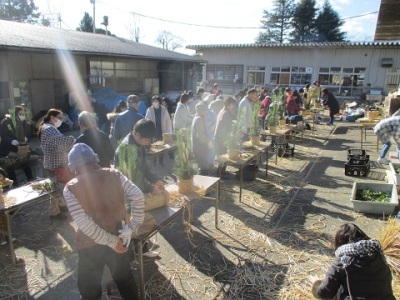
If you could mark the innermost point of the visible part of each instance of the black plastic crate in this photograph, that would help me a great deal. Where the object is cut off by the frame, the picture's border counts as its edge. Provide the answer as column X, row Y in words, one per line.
column 357, row 153
column 357, row 167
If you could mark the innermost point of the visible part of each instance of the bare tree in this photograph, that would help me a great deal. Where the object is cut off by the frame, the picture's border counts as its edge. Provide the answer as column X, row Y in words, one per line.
column 168, row 40
column 133, row 27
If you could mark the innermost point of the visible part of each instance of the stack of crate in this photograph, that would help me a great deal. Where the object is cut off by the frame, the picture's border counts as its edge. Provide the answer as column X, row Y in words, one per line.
column 357, row 164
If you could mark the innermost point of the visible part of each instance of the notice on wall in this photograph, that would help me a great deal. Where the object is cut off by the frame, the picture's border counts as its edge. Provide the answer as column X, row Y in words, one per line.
column 220, row 75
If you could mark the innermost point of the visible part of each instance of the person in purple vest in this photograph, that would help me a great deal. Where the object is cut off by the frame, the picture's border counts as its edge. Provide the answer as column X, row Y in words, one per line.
column 95, row 199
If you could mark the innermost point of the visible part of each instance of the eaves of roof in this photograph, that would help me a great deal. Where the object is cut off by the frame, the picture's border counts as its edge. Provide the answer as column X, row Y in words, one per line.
column 28, row 37
column 375, row 44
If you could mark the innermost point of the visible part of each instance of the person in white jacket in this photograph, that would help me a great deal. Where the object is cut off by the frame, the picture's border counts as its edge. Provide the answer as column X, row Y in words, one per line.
column 160, row 116
column 182, row 118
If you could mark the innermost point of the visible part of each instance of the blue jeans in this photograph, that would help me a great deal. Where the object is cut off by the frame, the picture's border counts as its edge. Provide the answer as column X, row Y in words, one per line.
column 385, row 149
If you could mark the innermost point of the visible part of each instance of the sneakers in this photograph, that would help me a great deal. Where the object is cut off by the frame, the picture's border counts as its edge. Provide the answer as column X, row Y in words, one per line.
column 151, row 254
column 383, row 161
column 329, row 123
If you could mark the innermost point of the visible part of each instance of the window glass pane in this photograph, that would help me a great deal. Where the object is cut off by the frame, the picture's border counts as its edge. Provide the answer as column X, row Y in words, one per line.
column 285, row 69
column 131, row 65
column 335, row 79
column 107, row 65
column 305, row 79
column 132, row 74
column 347, row 70
column 295, row 79
column 274, row 78
column 324, row 70
column 95, row 64
column 302, row 70
column 276, row 69
column 95, row 72
column 120, row 66
column 120, row 73
column 108, row 72
column 284, row 79
column 250, row 78
column 260, row 78
column 336, row 70
column 324, row 79
column 359, row 70
column 4, row 91
column 295, row 69
column 347, row 81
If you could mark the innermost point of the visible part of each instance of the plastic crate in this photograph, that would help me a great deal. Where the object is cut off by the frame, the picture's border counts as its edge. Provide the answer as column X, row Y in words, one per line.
column 357, row 167
column 356, row 153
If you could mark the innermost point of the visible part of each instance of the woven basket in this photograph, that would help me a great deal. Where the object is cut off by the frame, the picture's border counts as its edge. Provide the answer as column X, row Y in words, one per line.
column 185, row 186
column 255, row 140
column 23, row 150
column 155, row 201
column 233, row 154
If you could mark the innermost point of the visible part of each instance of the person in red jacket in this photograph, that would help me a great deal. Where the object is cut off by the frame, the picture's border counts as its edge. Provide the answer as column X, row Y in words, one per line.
column 292, row 107
column 264, row 108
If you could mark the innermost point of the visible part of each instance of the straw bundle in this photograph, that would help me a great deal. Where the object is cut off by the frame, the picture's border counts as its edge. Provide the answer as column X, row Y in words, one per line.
column 389, row 238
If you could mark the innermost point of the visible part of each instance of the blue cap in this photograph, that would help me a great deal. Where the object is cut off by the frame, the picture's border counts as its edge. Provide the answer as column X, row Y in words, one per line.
column 81, row 154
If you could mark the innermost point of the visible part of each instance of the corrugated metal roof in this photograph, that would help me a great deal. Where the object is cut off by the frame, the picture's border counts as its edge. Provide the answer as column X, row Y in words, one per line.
column 21, row 35
column 388, row 25
column 300, row 45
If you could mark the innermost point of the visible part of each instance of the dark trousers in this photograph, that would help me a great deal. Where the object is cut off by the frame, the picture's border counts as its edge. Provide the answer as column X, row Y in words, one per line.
column 90, row 271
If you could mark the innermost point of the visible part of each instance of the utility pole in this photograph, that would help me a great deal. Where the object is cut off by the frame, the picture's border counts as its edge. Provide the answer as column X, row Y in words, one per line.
column 94, row 15
column 59, row 19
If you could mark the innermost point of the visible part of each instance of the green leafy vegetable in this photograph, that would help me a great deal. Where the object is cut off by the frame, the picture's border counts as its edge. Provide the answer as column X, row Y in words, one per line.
column 370, row 195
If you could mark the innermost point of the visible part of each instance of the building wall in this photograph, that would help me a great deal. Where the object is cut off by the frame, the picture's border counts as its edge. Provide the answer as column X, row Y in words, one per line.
column 40, row 80
column 314, row 58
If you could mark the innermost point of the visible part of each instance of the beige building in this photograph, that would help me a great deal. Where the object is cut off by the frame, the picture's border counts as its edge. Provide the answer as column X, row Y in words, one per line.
column 40, row 66
column 347, row 69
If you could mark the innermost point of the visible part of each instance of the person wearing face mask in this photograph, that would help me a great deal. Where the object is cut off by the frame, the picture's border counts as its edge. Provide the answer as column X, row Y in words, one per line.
column 55, row 148
column 159, row 115
column 13, row 133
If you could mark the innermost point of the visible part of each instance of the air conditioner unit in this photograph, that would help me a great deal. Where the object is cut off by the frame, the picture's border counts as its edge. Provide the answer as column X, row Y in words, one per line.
column 386, row 62
column 308, row 70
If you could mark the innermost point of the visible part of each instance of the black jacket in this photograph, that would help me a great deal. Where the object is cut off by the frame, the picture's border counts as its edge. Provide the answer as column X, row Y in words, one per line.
column 100, row 143
column 8, row 133
column 330, row 100
column 369, row 278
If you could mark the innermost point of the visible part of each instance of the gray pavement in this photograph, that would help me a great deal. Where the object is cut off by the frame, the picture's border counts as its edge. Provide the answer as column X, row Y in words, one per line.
column 304, row 192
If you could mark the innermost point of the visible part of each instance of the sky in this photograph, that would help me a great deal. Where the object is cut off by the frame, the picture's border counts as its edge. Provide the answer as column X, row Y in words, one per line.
column 226, row 13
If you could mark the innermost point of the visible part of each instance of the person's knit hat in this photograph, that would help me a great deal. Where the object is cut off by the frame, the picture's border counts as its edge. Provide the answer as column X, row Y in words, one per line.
column 81, row 154
column 201, row 107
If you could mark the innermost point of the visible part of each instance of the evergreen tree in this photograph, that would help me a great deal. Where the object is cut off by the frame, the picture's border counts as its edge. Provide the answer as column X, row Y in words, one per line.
column 304, row 22
column 328, row 25
column 19, row 10
column 277, row 22
column 86, row 23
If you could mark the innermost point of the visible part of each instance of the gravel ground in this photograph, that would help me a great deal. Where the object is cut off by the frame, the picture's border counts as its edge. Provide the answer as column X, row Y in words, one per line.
column 266, row 246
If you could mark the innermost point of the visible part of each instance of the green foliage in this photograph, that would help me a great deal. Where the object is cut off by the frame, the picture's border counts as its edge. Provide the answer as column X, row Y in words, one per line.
column 370, row 195
column 184, row 167
column 255, row 122
column 232, row 140
column 304, row 22
column 277, row 22
column 276, row 109
column 86, row 23
column 127, row 156
column 19, row 10
column 328, row 25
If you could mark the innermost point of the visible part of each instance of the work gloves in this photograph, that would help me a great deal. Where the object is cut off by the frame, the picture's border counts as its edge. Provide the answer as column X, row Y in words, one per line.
column 14, row 143
column 125, row 234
